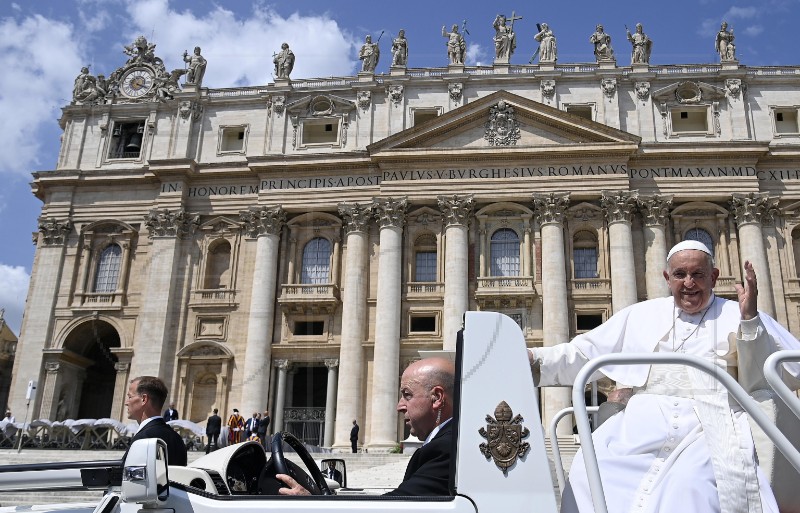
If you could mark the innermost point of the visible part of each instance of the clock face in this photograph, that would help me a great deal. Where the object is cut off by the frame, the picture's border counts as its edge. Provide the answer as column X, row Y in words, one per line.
column 137, row 83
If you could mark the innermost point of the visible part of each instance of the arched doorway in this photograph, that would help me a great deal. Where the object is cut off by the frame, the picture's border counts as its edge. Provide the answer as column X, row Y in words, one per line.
column 91, row 385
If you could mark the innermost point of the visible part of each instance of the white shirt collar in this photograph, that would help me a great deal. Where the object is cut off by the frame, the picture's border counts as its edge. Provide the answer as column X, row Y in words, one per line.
column 146, row 421
column 436, row 430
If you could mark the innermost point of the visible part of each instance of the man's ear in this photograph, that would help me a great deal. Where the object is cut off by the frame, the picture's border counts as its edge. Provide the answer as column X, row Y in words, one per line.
column 437, row 393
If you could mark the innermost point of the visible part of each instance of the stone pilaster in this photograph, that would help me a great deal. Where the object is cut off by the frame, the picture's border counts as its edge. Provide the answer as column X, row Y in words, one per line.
column 619, row 207
column 655, row 210
column 49, row 391
column 550, row 210
column 354, row 319
column 457, row 211
column 280, row 399
column 750, row 210
column 120, row 391
column 330, row 400
column 265, row 225
column 37, row 324
column 390, row 214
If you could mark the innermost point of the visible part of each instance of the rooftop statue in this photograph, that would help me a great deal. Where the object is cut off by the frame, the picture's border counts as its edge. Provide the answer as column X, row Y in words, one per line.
column 724, row 43
column 197, row 67
column 456, row 46
column 602, row 45
column 505, row 41
column 284, row 62
column 642, row 45
column 369, row 54
column 400, row 49
column 547, row 43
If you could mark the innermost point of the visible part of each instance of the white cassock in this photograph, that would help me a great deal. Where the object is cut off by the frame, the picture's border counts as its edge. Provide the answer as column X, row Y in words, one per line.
column 678, row 445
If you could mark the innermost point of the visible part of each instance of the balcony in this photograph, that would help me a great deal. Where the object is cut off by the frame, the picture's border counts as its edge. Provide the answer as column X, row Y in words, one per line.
column 305, row 299
column 587, row 288
column 424, row 289
column 496, row 292
column 213, row 298
column 99, row 300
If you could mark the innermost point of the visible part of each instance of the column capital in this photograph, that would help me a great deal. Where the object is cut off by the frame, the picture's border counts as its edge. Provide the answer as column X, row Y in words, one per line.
column 263, row 221
column 52, row 367
column 356, row 216
column 619, row 206
column 550, row 208
column 281, row 364
column 54, row 232
column 170, row 223
column 655, row 209
column 122, row 366
column 753, row 207
column 331, row 363
column 390, row 212
column 456, row 209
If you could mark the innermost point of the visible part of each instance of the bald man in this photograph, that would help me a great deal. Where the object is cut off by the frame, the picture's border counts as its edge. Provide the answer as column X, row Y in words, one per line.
column 426, row 402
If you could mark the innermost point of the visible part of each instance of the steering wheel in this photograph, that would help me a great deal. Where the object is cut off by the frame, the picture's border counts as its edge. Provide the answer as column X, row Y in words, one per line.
column 278, row 464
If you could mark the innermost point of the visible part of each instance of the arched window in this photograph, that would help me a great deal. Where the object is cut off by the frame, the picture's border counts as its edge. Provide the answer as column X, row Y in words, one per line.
column 218, row 265
column 504, row 251
column 584, row 255
column 425, row 258
column 700, row 235
column 316, row 261
column 107, row 276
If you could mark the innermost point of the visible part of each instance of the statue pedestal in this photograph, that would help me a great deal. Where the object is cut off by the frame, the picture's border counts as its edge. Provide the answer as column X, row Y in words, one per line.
column 189, row 88
column 397, row 70
column 547, row 66
column 455, row 68
column 282, row 82
column 609, row 64
column 729, row 65
column 366, row 76
column 500, row 68
column 640, row 67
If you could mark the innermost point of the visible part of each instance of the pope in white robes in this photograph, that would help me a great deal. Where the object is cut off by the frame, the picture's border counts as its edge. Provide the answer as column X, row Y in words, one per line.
column 678, row 445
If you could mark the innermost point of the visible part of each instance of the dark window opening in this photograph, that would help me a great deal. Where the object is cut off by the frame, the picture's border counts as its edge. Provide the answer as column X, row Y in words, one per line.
column 779, row 116
column 309, row 327
column 588, row 322
column 423, row 324
column 684, row 115
column 126, row 140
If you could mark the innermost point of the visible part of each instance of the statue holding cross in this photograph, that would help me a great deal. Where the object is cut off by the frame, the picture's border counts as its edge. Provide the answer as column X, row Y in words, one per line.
column 505, row 41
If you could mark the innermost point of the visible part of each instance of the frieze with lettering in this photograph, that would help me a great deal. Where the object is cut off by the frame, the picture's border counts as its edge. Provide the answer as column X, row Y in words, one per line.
column 481, row 173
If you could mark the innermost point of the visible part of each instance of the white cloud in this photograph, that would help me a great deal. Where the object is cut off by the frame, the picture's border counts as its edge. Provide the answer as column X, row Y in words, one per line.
column 754, row 30
column 741, row 12
column 13, row 293
column 476, row 54
column 239, row 50
column 39, row 57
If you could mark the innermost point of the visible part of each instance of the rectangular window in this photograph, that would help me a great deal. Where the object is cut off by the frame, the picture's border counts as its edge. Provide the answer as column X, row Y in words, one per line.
column 320, row 131
column 584, row 111
column 424, row 115
column 309, row 327
column 690, row 120
column 587, row 322
column 425, row 266
column 585, row 261
column 786, row 121
column 423, row 324
column 232, row 139
column 126, row 140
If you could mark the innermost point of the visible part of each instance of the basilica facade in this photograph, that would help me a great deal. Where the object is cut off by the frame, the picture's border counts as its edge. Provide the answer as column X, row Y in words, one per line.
column 294, row 246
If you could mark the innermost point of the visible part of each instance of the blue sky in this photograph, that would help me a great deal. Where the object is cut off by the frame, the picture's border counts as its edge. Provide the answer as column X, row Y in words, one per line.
column 43, row 45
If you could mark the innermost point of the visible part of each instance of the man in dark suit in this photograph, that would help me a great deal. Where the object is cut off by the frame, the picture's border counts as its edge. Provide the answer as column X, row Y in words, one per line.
column 146, row 396
column 332, row 472
column 251, row 426
column 213, row 429
column 354, row 436
column 426, row 402
column 263, row 425
column 171, row 413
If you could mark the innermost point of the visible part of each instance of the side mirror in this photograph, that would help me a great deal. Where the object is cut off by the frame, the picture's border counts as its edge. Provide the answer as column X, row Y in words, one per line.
column 144, row 473
column 339, row 476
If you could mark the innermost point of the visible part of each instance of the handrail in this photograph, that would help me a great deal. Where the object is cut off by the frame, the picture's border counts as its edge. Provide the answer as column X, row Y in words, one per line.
column 773, row 375
column 559, row 465
column 584, row 430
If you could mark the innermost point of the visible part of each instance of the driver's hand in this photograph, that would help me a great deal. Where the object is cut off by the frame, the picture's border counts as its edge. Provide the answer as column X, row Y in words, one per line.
column 295, row 488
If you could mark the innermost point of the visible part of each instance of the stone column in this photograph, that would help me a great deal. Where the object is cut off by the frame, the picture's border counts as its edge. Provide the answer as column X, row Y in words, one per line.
column 120, row 391
column 154, row 342
column 265, row 225
column 457, row 211
column 619, row 207
column 655, row 209
column 37, row 324
column 280, row 399
column 550, row 210
column 354, row 321
column 330, row 401
column 750, row 210
column 49, row 391
column 390, row 214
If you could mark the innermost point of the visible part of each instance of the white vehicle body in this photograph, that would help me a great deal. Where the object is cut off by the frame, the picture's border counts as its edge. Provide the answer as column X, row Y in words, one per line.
column 495, row 394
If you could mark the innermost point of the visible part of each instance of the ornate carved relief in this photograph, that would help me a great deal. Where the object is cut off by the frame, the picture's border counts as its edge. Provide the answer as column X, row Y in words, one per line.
column 356, row 216
column 504, row 434
column 52, row 367
column 655, row 209
column 642, row 90
column 54, row 232
column 550, row 208
column 331, row 363
column 735, row 87
column 364, row 99
column 263, row 221
column 456, row 209
column 278, row 104
column 753, row 207
column 395, row 94
column 390, row 212
column 609, row 87
column 619, row 206
column 189, row 108
column 502, row 129
column 548, row 88
column 455, row 89
column 167, row 223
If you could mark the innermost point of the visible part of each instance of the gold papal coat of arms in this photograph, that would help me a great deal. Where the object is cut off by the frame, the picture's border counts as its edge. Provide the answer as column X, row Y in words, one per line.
column 504, row 434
